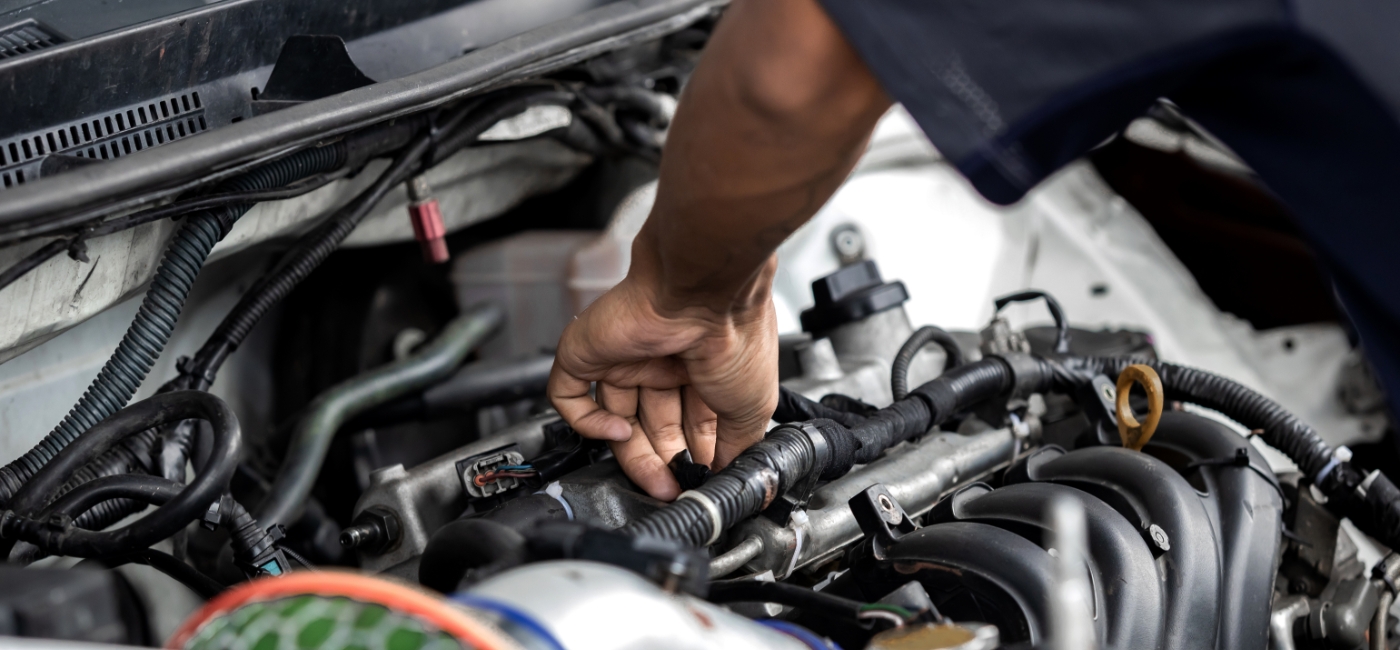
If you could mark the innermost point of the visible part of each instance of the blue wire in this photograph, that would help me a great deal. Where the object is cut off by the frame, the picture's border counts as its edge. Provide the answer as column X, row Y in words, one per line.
column 512, row 615
column 800, row 633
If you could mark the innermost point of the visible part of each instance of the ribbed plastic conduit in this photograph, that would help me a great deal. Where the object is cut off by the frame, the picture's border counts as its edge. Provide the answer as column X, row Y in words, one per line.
column 155, row 321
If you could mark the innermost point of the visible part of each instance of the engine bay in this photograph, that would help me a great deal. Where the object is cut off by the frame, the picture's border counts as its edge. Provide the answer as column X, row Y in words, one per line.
column 1045, row 426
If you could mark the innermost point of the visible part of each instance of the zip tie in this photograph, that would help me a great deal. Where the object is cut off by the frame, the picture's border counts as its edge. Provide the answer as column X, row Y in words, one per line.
column 1340, row 455
column 710, row 507
column 557, row 491
column 799, row 523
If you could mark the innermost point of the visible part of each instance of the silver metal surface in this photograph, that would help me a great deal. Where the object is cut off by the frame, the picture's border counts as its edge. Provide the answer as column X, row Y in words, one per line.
column 1381, row 622
column 1286, row 610
column 736, row 557
column 1071, row 620
column 917, row 474
column 591, row 606
column 855, row 359
column 431, row 494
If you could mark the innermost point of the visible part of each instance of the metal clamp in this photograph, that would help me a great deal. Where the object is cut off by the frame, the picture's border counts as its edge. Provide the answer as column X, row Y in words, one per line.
column 712, row 508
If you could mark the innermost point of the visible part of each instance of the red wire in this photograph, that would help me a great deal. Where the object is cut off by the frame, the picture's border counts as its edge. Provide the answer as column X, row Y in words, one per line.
column 489, row 477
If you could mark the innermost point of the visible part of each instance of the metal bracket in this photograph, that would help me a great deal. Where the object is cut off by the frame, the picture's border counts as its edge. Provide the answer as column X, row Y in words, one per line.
column 881, row 518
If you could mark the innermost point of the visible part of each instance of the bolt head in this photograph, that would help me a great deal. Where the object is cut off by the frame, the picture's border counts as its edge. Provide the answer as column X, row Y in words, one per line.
column 1159, row 537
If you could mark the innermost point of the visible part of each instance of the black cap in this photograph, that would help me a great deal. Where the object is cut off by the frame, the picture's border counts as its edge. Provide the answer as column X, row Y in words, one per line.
column 851, row 293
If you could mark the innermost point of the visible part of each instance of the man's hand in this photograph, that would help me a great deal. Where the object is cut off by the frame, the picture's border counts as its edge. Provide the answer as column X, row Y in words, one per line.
column 684, row 351
column 669, row 380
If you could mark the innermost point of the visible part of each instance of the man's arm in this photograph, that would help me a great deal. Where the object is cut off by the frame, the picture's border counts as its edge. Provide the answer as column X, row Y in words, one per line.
column 684, row 350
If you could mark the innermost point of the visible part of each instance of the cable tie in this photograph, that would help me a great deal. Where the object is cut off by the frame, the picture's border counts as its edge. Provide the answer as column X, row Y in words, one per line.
column 799, row 524
column 716, row 522
column 1339, row 456
column 556, row 491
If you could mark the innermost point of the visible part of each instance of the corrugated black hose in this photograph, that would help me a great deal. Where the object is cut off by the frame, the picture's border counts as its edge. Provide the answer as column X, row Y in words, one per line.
column 1371, row 500
column 58, row 535
column 155, row 320
column 791, row 453
column 458, row 129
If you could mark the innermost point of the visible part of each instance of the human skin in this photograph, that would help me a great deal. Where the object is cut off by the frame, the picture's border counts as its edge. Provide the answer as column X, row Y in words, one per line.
column 684, row 351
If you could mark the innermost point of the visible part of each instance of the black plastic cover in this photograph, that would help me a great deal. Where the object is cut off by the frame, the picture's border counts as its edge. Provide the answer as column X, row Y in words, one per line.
column 851, row 293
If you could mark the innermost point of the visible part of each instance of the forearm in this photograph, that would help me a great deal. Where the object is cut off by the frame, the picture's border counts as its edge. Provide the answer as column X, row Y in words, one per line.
column 772, row 121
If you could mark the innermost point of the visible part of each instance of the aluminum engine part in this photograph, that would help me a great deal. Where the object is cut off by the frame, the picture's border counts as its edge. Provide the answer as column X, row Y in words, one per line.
column 855, row 359
column 858, row 326
column 586, row 605
column 916, row 474
column 430, row 495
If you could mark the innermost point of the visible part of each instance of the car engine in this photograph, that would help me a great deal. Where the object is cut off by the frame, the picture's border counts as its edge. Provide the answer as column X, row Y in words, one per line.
column 294, row 379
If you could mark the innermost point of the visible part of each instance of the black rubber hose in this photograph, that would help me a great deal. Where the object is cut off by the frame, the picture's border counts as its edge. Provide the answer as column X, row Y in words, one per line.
column 62, row 538
column 1056, row 312
column 761, row 591
column 1281, row 429
column 155, row 320
column 899, row 370
column 142, row 488
column 1371, row 501
column 491, row 113
column 470, row 550
column 185, row 574
column 199, row 372
column 458, row 129
column 135, row 453
column 298, row 263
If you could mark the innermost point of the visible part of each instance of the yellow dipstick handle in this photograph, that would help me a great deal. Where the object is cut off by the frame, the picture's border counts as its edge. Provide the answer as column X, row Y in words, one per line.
column 1135, row 435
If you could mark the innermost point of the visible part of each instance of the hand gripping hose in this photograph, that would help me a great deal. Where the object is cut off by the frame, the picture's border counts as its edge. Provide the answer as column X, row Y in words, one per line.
column 155, row 320
column 312, row 437
column 792, row 453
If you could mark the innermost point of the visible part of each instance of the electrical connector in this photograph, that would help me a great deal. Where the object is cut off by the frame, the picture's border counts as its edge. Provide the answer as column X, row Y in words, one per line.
column 426, row 217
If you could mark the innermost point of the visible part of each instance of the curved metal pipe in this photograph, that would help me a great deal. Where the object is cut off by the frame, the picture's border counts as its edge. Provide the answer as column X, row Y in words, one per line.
column 332, row 408
column 1286, row 612
column 736, row 557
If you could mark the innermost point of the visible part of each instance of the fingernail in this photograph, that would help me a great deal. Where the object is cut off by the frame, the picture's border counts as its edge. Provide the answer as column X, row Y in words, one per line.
column 620, row 431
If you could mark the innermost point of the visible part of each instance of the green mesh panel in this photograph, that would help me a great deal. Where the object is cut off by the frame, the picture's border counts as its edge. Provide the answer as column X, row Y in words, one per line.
column 319, row 623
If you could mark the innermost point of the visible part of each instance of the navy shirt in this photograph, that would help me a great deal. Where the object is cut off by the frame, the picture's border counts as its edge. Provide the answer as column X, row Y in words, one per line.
column 1306, row 92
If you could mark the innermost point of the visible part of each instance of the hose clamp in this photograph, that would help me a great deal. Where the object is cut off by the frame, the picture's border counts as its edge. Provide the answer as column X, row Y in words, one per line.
column 821, row 450
column 712, row 508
